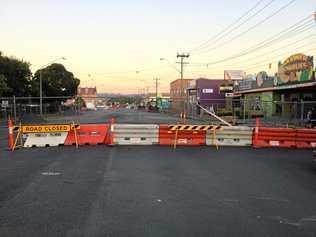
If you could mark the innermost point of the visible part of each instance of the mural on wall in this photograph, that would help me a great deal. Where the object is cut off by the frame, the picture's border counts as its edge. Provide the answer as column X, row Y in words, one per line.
column 261, row 80
column 297, row 68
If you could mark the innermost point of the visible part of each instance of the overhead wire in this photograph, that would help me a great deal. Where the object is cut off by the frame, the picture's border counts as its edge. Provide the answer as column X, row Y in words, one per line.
column 283, row 35
column 251, row 28
column 271, row 51
column 199, row 47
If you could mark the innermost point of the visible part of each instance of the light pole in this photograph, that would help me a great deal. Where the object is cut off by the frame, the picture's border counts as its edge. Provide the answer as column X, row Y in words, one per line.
column 41, row 85
column 170, row 64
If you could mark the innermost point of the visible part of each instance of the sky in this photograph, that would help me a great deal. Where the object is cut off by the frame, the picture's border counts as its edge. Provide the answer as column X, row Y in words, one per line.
column 117, row 45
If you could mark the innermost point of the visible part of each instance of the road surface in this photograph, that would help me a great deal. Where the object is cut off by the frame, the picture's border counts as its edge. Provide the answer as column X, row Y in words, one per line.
column 156, row 191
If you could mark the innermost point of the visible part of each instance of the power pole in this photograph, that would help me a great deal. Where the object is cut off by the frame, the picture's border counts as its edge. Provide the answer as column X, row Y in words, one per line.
column 182, row 57
column 156, row 82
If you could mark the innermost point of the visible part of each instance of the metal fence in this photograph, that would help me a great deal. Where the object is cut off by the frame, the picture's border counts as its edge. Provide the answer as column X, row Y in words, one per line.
column 272, row 113
column 238, row 111
column 28, row 109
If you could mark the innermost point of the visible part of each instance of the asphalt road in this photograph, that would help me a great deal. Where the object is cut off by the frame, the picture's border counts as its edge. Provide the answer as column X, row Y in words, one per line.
column 122, row 116
column 156, row 191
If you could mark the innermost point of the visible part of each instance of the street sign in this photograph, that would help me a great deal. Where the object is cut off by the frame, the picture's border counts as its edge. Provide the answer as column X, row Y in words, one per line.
column 45, row 128
column 5, row 104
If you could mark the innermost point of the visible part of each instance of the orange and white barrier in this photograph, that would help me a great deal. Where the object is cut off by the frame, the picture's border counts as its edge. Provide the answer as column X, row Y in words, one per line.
column 45, row 135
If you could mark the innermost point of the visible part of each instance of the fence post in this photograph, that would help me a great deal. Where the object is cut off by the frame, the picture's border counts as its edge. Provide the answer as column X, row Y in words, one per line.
column 244, row 110
column 256, row 131
column 302, row 110
column 14, row 108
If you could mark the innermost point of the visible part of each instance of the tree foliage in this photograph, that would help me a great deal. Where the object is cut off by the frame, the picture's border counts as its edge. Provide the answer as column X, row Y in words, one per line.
column 56, row 81
column 4, row 88
column 79, row 102
column 15, row 76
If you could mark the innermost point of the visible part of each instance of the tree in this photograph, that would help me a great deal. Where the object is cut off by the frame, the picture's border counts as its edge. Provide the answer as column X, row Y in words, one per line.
column 79, row 102
column 56, row 81
column 4, row 88
column 16, row 75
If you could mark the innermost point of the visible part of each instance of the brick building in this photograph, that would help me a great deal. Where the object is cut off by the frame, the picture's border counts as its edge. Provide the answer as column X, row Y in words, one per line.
column 178, row 93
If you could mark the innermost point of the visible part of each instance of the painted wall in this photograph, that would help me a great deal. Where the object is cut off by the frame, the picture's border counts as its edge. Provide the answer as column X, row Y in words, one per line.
column 208, row 92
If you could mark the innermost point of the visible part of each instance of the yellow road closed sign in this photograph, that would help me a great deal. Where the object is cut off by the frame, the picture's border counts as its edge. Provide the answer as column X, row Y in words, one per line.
column 46, row 128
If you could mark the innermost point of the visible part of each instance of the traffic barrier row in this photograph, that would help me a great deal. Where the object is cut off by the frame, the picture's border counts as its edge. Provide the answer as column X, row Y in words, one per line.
column 152, row 134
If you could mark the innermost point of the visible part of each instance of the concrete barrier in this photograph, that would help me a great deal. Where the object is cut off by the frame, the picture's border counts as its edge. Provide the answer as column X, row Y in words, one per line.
column 230, row 136
column 135, row 134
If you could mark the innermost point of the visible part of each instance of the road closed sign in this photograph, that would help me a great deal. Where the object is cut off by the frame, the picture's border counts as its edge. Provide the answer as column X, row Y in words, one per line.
column 46, row 128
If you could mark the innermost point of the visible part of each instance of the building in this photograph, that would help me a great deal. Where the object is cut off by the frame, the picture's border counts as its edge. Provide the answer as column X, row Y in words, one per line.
column 207, row 93
column 290, row 93
column 89, row 96
column 178, row 94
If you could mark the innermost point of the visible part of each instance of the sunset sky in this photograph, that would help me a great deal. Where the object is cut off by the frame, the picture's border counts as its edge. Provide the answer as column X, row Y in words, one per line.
column 117, row 45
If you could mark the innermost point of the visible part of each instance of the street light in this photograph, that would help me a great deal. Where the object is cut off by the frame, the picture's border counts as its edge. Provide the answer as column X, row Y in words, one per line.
column 170, row 64
column 41, row 86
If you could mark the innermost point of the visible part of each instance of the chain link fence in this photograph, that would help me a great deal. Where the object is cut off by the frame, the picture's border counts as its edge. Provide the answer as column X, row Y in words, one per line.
column 235, row 110
column 29, row 109
column 272, row 113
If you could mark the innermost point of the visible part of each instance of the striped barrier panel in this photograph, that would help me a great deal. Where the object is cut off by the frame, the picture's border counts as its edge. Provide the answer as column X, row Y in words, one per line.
column 185, row 135
column 135, row 134
column 230, row 136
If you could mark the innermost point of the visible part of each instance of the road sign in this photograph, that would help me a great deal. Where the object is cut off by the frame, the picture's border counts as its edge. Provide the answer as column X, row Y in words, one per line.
column 46, row 128
column 5, row 104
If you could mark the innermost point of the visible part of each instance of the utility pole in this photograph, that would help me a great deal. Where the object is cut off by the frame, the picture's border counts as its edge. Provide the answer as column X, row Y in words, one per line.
column 156, row 81
column 41, row 94
column 182, row 95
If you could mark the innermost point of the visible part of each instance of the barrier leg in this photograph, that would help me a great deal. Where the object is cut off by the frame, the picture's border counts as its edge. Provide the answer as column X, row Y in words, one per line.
column 111, row 132
column 214, row 139
column 175, row 139
column 18, row 136
column 76, row 136
column 256, row 135
column 10, row 135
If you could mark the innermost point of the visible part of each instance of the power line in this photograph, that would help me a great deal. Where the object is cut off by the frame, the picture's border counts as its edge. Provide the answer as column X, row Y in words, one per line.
column 127, row 71
column 252, row 27
column 267, row 42
column 228, row 27
column 284, row 34
column 275, row 50
column 265, row 62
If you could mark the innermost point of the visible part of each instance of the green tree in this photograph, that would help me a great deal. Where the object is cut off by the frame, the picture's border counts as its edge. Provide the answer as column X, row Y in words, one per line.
column 79, row 102
column 4, row 88
column 16, row 75
column 56, row 81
